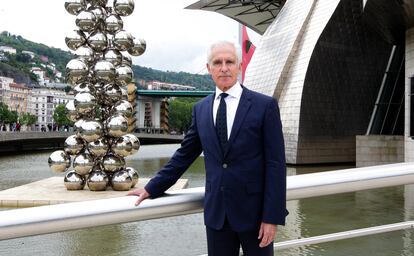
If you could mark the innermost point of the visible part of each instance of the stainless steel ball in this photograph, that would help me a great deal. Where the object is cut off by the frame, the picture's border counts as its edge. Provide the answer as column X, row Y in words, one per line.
column 112, row 162
column 91, row 130
column 77, row 126
column 123, row 107
column 124, row 7
column 114, row 56
column 98, row 41
column 84, row 87
column 126, row 59
column 113, row 24
column 73, row 145
column 83, row 163
column 121, row 181
column 116, row 126
column 86, row 21
column 132, row 89
column 123, row 40
column 102, row 3
column 112, row 94
column 75, row 6
column 124, row 93
column 99, row 12
column 124, row 75
column 75, row 39
column 98, row 147
column 72, row 113
column 138, row 48
column 59, row 161
column 133, row 174
column 97, row 180
column 74, row 181
column 76, row 71
column 122, row 146
column 85, row 54
column 104, row 71
column 84, row 102
column 135, row 142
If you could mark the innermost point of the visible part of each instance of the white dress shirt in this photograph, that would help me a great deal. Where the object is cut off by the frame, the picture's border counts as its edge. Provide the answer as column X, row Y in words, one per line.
column 232, row 102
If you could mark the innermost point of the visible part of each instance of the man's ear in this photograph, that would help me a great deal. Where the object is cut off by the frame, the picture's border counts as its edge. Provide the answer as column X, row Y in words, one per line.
column 208, row 68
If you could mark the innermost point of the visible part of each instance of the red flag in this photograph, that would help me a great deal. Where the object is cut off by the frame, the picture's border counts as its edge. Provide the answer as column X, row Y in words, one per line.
column 247, row 50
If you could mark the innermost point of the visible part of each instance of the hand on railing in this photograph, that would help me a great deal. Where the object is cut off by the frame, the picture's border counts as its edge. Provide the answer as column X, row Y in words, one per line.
column 141, row 193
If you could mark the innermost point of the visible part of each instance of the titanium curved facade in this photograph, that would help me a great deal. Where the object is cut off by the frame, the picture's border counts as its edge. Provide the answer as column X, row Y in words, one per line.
column 324, row 63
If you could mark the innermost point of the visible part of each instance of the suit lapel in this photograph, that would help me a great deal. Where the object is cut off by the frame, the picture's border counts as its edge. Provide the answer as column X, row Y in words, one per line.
column 242, row 109
column 211, row 127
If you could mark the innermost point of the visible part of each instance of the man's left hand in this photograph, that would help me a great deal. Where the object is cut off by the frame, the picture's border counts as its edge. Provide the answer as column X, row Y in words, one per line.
column 267, row 233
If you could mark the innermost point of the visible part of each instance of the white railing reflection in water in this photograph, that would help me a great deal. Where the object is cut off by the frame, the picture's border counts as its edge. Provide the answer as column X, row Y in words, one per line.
column 62, row 217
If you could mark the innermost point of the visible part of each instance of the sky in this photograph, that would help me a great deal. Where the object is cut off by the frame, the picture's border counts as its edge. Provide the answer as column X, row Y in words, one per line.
column 177, row 38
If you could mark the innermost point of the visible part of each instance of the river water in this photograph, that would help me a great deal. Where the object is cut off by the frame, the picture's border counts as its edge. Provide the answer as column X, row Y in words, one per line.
column 185, row 235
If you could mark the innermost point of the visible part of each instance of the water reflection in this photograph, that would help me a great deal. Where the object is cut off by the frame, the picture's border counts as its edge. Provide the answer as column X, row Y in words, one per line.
column 185, row 235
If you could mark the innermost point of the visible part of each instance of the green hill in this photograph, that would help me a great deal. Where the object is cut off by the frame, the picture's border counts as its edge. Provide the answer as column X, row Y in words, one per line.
column 18, row 66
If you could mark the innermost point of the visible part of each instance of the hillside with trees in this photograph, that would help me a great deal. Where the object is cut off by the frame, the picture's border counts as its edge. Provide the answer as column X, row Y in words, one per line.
column 18, row 66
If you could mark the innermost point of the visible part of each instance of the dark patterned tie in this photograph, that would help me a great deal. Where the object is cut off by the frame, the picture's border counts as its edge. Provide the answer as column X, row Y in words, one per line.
column 221, row 121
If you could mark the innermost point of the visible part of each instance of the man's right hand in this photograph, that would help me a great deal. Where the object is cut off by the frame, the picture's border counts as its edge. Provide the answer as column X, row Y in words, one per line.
column 141, row 193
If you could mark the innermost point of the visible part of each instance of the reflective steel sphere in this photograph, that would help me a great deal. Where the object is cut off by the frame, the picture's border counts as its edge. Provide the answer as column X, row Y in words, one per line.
column 85, row 54
column 77, row 126
column 59, row 161
column 112, row 94
column 122, row 146
column 86, row 21
column 98, row 147
column 97, row 180
column 121, row 181
column 116, row 126
column 84, row 102
column 132, row 89
column 72, row 113
column 124, row 75
column 83, row 163
column 114, row 56
column 112, row 162
column 124, row 108
column 104, row 71
column 98, row 41
column 135, row 142
column 138, row 48
column 133, row 174
column 91, row 130
column 113, row 24
column 98, row 2
column 73, row 145
column 75, row 39
column 76, row 71
column 84, row 87
column 124, row 7
column 75, row 6
column 98, row 11
column 123, row 40
column 74, row 181
column 126, row 59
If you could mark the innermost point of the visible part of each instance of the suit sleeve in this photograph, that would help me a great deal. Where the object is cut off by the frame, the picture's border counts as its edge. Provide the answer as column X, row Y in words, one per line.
column 184, row 156
column 274, row 204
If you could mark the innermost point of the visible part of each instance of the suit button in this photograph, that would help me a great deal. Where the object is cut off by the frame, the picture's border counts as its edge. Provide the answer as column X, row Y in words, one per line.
column 224, row 165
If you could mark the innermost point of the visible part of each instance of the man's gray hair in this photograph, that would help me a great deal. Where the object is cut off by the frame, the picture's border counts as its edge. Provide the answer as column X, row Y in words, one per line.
column 225, row 43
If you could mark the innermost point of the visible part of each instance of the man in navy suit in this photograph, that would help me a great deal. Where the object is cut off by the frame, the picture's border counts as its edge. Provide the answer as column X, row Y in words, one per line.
column 240, row 133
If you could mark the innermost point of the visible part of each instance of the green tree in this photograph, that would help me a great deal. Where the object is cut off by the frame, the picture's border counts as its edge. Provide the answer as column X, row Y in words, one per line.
column 60, row 116
column 27, row 119
column 180, row 114
column 4, row 112
column 12, row 117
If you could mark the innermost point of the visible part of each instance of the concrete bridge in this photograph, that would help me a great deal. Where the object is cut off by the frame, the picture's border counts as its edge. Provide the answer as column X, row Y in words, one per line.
column 13, row 142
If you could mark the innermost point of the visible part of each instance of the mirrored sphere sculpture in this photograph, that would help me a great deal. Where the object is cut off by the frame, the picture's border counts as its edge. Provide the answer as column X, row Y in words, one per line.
column 104, row 97
column 74, row 181
column 59, row 161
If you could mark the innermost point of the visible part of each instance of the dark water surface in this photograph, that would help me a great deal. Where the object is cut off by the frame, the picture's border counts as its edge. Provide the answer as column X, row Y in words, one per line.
column 185, row 235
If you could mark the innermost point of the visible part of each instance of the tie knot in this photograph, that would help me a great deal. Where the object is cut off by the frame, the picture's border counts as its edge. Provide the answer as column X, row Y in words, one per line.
column 223, row 95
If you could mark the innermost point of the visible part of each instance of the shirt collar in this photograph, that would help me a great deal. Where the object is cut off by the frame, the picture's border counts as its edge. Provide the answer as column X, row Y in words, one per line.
column 235, row 91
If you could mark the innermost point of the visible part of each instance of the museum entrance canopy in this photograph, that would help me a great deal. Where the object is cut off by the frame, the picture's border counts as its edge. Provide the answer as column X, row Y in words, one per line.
column 255, row 14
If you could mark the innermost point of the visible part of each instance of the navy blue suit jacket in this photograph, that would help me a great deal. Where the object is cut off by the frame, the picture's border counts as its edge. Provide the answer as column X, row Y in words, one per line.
column 246, row 181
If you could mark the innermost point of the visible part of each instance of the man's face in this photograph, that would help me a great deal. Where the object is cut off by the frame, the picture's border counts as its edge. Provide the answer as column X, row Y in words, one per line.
column 223, row 67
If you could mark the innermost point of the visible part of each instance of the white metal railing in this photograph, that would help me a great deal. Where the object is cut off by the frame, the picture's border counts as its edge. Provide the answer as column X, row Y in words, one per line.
column 55, row 218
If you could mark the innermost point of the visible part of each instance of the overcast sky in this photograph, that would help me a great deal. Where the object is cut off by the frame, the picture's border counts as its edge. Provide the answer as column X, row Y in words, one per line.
column 177, row 39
